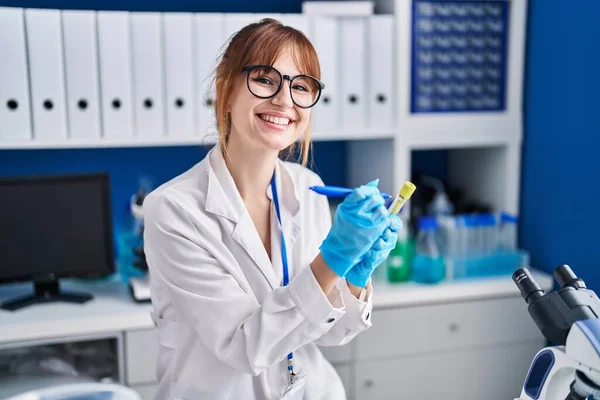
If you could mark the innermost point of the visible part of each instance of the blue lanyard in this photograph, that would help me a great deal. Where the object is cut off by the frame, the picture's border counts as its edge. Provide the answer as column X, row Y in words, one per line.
column 284, row 261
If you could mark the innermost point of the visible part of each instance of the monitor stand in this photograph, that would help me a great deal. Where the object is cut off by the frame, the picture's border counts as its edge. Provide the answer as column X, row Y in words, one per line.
column 45, row 292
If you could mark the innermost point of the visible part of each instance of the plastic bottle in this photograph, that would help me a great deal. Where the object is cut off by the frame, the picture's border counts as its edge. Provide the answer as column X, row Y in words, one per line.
column 452, row 238
column 440, row 204
column 400, row 260
column 508, row 231
column 428, row 266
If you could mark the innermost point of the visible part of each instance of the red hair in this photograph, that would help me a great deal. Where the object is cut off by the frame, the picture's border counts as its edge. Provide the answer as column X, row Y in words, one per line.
column 261, row 42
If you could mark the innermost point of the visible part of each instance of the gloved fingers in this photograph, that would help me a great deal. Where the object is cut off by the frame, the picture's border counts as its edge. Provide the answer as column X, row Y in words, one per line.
column 374, row 182
column 386, row 241
column 371, row 212
column 363, row 192
column 395, row 223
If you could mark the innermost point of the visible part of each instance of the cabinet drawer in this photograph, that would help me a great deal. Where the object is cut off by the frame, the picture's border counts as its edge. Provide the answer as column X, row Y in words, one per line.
column 494, row 373
column 402, row 331
column 141, row 356
column 337, row 354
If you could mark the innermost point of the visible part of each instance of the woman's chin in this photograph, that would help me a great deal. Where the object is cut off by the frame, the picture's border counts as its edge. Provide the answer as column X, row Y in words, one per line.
column 277, row 141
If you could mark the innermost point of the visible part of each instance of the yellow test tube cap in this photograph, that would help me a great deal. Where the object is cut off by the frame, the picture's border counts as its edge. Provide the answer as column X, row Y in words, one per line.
column 407, row 190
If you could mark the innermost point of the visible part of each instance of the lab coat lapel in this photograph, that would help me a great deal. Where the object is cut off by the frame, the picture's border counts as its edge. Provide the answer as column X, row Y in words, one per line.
column 290, row 205
column 224, row 199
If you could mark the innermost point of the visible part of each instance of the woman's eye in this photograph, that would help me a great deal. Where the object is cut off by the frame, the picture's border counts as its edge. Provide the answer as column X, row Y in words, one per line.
column 301, row 88
column 264, row 81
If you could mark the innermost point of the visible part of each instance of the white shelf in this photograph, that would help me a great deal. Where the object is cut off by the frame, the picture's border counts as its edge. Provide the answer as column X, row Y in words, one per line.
column 410, row 293
column 433, row 136
column 106, row 143
column 173, row 141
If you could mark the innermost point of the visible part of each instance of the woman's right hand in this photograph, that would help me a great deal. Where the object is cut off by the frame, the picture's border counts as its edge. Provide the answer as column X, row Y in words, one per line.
column 358, row 223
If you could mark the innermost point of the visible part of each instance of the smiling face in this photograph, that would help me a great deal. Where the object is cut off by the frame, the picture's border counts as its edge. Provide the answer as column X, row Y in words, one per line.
column 259, row 123
column 267, row 124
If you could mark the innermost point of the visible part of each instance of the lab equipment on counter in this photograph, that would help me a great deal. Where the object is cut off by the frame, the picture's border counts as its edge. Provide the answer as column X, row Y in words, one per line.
column 428, row 265
column 338, row 191
column 52, row 227
column 440, row 205
column 131, row 259
column 473, row 245
column 567, row 317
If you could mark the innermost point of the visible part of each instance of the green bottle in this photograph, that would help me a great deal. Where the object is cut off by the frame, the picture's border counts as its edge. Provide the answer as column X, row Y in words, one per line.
column 399, row 262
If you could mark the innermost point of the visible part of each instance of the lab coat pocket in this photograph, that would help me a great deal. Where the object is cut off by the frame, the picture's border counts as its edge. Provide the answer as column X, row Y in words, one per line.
column 166, row 332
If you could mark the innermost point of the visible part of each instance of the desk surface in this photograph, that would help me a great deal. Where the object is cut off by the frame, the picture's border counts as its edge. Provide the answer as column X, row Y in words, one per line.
column 112, row 309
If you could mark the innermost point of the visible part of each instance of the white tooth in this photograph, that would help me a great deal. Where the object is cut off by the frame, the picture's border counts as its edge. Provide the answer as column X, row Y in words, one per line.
column 276, row 120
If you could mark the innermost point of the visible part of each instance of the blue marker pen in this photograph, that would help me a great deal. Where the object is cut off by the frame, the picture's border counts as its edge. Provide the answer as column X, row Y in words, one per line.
column 337, row 191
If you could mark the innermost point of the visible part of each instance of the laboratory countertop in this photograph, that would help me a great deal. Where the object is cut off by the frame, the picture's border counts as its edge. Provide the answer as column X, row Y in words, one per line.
column 113, row 310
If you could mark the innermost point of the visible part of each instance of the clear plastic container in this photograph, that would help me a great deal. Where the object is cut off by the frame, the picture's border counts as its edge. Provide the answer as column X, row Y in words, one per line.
column 508, row 231
column 428, row 265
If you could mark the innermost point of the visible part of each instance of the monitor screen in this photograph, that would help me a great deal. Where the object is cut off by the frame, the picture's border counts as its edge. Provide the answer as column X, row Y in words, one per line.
column 55, row 226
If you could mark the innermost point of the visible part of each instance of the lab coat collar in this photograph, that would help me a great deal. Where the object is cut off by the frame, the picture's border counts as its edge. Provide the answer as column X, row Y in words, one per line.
column 223, row 199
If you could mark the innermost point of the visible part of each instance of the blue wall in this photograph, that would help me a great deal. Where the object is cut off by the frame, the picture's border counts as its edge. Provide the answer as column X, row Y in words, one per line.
column 127, row 165
column 259, row 6
column 560, row 185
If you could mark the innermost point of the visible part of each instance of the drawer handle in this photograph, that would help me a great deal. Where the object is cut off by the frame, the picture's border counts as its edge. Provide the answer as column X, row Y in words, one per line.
column 454, row 327
column 369, row 383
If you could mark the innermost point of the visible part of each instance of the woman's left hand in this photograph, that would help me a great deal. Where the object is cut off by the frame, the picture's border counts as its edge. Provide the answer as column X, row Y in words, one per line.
column 360, row 273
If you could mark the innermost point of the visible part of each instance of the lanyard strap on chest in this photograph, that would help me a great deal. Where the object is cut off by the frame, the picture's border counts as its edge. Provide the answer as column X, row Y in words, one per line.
column 284, row 261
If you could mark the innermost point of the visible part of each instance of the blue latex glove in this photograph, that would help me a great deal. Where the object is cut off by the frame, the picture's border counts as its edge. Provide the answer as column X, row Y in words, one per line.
column 359, row 274
column 358, row 222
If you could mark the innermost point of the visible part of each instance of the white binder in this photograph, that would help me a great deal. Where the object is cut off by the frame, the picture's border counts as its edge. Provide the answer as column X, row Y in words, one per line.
column 210, row 41
column 324, row 34
column 115, row 74
column 46, row 74
column 353, row 73
column 15, row 111
column 147, row 58
column 179, row 71
column 381, row 86
column 81, row 67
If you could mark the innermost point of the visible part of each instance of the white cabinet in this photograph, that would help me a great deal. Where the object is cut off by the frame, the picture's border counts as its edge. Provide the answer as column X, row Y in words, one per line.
column 441, row 327
column 491, row 373
column 141, row 355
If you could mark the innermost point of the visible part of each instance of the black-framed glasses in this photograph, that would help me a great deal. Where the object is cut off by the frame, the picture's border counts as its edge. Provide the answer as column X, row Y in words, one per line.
column 264, row 81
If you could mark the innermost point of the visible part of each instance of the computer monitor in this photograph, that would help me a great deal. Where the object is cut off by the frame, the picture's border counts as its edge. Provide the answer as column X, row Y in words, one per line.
column 54, row 227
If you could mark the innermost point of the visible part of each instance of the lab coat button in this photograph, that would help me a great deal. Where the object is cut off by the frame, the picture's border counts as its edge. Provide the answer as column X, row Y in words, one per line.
column 330, row 320
column 368, row 315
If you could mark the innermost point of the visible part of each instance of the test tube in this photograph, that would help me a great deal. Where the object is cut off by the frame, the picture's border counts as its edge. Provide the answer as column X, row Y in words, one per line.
column 403, row 195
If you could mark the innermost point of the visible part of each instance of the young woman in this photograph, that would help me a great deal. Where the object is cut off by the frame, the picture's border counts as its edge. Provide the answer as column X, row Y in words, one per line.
column 248, row 274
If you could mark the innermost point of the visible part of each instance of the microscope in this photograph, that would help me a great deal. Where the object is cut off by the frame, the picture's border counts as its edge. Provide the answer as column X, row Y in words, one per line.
column 568, row 318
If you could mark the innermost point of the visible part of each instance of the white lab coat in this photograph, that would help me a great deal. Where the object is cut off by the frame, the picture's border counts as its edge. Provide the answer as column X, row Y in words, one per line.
column 225, row 323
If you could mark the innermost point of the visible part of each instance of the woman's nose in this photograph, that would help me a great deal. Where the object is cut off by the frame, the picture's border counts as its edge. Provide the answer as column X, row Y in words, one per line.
column 283, row 98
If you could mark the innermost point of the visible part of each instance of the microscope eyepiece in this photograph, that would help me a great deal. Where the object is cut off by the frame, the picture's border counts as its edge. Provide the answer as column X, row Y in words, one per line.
column 565, row 276
column 527, row 285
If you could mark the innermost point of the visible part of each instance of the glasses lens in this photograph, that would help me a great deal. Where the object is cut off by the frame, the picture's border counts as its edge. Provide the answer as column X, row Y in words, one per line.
column 305, row 90
column 264, row 81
